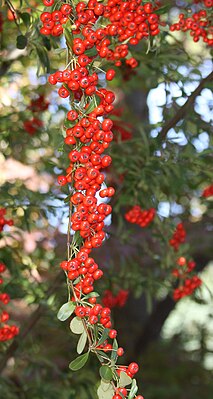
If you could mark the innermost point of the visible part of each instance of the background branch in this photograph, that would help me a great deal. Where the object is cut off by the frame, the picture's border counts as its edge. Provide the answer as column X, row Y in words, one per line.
column 183, row 110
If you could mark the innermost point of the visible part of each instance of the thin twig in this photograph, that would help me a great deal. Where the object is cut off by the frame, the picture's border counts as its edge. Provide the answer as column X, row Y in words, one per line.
column 184, row 109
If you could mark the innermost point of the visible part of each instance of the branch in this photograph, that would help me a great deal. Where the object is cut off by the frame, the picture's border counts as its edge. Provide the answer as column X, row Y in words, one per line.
column 183, row 110
column 30, row 324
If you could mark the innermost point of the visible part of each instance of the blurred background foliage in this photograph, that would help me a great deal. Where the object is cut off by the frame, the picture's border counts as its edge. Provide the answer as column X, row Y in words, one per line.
column 154, row 165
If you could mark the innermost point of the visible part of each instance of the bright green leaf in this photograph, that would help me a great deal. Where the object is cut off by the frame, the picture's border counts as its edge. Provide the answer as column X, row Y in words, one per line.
column 65, row 311
column 133, row 390
column 76, row 325
column 124, row 379
column 82, row 342
column 105, row 390
column 79, row 362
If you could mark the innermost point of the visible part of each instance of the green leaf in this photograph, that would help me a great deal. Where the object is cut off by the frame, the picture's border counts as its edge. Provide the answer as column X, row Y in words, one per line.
column 163, row 9
column 114, row 355
column 25, row 18
column 92, row 106
column 105, row 390
column 79, row 362
column 65, row 311
column 106, row 373
column 76, row 325
column 91, row 295
column 43, row 56
column 68, row 35
column 82, row 342
column 133, row 390
column 104, row 336
column 124, row 379
column 21, row 42
column 91, row 52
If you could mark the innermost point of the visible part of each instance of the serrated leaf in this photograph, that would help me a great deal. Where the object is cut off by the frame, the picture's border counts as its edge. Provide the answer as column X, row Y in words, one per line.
column 104, row 336
column 21, row 42
column 133, row 390
column 82, row 342
column 106, row 372
column 76, row 325
column 124, row 379
column 79, row 362
column 105, row 391
column 65, row 311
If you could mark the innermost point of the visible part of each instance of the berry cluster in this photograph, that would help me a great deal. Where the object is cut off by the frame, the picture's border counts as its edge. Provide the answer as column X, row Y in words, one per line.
column 7, row 332
column 88, row 135
column 178, row 237
column 53, row 21
column 4, row 221
column 32, row 125
column 199, row 24
column 208, row 191
column 126, row 23
column 187, row 285
column 118, row 300
column 141, row 217
column 37, row 105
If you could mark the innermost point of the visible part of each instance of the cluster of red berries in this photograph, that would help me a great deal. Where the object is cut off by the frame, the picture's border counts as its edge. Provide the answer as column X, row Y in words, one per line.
column 178, row 237
column 97, row 314
column 32, row 125
column 199, row 25
column 85, row 267
column 4, row 221
column 37, row 105
column 127, row 22
column 208, row 191
column 187, row 285
column 130, row 370
column 207, row 3
column 6, row 331
column 89, row 133
column 53, row 21
column 141, row 217
column 113, row 301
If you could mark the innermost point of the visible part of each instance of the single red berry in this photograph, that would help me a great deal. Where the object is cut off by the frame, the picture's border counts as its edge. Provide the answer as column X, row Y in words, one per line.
column 120, row 351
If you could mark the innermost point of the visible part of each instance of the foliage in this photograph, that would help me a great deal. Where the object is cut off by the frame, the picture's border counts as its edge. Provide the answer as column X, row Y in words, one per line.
column 159, row 162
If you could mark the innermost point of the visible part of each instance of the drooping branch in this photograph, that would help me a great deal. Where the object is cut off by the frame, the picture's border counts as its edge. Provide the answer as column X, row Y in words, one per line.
column 184, row 109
